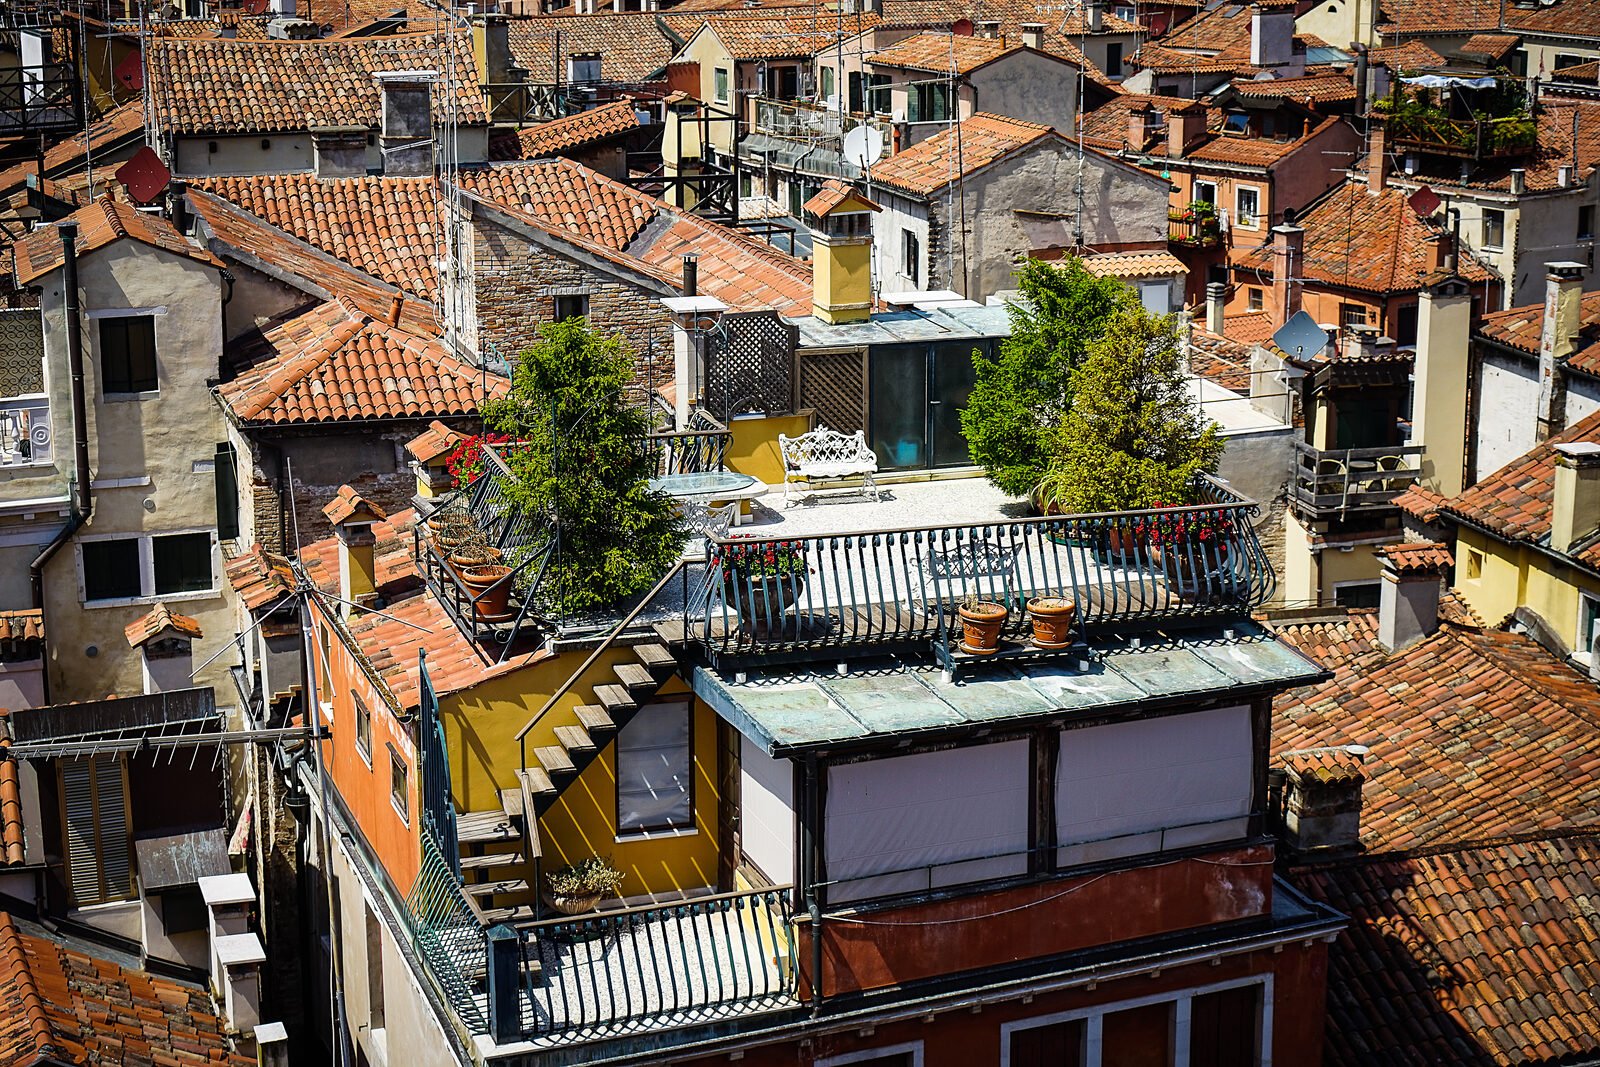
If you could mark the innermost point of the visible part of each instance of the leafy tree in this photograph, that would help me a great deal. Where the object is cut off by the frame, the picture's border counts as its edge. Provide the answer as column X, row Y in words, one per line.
column 582, row 459
column 1021, row 394
column 1133, row 437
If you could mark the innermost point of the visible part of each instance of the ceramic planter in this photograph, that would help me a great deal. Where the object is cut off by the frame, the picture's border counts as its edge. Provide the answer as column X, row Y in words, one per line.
column 491, row 590
column 573, row 905
column 462, row 557
column 980, row 627
column 764, row 603
column 1052, row 618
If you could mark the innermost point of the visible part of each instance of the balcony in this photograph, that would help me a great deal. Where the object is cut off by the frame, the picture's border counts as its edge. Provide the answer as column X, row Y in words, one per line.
column 805, row 136
column 24, row 432
column 1189, row 231
column 1336, row 483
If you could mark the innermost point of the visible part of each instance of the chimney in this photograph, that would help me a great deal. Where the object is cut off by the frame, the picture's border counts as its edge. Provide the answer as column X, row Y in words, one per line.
column 1362, row 77
column 988, row 28
column 1439, row 405
column 1408, row 598
column 1439, row 252
column 691, row 275
column 1564, row 175
column 1563, row 321
column 1321, row 798
column 241, row 957
column 1185, row 125
column 406, row 135
column 1360, row 342
column 1288, row 263
column 353, row 517
column 1575, row 508
column 1095, row 15
column 1033, row 36
column 228, row 899
column 841, row 257
column 272, row 1045
column 1271, row 35
column 1141, row 120
column 339, row 151
column 1377, row 158
column 1216, row 298
column 491, row 48
column 1519, row 181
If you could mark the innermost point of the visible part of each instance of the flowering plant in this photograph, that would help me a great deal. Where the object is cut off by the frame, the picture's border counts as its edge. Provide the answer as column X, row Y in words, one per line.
column 1183, row 527
column 586, row 878
column 740, row 558
column 465, row 462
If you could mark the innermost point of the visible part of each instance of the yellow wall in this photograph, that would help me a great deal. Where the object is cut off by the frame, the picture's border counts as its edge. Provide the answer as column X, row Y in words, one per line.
column 1298, row 584
column 1511, row 576
column 480, row 729
column 754, row 449
column 1360, row 564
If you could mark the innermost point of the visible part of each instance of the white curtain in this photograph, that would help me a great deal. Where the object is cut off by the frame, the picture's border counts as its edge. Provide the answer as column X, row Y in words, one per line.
column 655, row 770
column 766, row 812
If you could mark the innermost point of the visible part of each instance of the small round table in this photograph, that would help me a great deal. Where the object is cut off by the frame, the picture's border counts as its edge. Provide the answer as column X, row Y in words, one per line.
column 712, row 486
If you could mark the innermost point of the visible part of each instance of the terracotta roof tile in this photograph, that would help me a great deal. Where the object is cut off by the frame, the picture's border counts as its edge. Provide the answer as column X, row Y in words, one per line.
column 259, row 577
column 930, row 165
column 121, row 125
column 796, row 35
column 1472, row 735
column 158, row 620
column 437, row 440
column 23, row 624
column 632, row 46
column 1417, row 557
column 239, row 86
column 348, row 504
column 1520, row 327
column 577, row 131
column 99, row 224
column 1325, row 765
column 939, row 53
column 1221, row 360
column 568, row 197
column 1157, row 264
column 1403, row 17
column 335, row 364
column 833, row 193
column 1313, row 89
column 13, row 833
column 1409, row 55
column 1421, row 503
column 1493, row 46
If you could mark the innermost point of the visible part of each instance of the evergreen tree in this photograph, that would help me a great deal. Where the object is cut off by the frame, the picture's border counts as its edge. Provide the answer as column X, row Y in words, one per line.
column 581, row 460
column 1134, row 437
column 1021, row 394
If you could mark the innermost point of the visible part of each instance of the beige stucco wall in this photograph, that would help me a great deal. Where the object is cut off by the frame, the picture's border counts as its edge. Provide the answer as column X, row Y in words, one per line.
column 1497, row 578
column 160, row 447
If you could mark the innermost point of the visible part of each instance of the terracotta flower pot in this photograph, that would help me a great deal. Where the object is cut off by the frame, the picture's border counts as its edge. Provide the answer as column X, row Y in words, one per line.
column 980, row 627
column 474, row 557
column 1052, row 618
column 491, row 589
column 573, row 905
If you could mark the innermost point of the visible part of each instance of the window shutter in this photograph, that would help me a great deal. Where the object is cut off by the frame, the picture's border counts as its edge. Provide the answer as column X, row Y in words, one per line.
column 98, row 857
column 227, row 478
column 83, row 864
column 115, row 855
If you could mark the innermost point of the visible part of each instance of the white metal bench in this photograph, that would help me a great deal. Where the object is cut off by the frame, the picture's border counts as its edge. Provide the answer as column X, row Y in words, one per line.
column 825, row 455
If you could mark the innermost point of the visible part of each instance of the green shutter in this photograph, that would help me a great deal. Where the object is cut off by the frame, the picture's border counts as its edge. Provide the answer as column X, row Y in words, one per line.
column 227, row 479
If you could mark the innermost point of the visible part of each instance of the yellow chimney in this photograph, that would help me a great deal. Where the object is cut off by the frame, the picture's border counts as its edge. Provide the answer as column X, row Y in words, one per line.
column 353, row 517
column 841, row 254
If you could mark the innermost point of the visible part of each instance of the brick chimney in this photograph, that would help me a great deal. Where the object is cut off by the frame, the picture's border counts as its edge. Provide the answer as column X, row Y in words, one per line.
column 1141, row 122
column 353, row 517
column 1408, row 597
column 1321, row 798
column 1377, row 157
column 1575, row 507
column 1288, row 264
column 1558, row 339
column 1439, row 406
column 1185, row 125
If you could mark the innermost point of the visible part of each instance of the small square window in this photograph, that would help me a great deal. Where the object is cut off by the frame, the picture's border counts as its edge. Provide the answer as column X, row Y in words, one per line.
column 182, row 563
column 399, row 784
column 1494, row 229
column 1205, row 192
column 128, row 355
column 363, row 729
column 1255, row 299
column 1474, row 565
column 571, row 306
column 111, row 569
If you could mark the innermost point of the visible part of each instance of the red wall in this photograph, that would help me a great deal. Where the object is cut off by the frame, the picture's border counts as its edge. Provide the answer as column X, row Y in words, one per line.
column 988, row 929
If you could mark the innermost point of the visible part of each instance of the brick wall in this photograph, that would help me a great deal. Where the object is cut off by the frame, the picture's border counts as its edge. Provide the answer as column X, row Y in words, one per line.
column 517, row 283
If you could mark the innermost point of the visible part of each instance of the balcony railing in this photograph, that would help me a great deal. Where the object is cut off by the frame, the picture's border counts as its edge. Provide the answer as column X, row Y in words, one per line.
column 812, row 122
column 875, row 591
column 24, row 431
column 1433, row 132
column 1193, row 232
column 1334, row 483
column 700, row 447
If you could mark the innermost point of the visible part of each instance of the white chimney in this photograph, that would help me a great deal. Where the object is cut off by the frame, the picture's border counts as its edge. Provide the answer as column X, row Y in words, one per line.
column 406, row 135
column 1033, row 36
column 241, row 957
column 228, row 899
column 1095, row 14
column 1558, row 338
column 1439, row 407
column 1216, row 299
column 987, row 28
column 1271, row 35
column 1408, row 599
column 1575, row 507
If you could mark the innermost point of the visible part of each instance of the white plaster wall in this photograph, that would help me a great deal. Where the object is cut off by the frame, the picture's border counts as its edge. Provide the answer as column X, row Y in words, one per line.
column 890, row 225
column 1508, row 391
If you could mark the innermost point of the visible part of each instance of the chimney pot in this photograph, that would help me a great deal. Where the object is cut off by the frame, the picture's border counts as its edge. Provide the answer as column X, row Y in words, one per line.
column 1216, row 297
column 988, row 28
column 1575, row 508
column 1322, row 798
column 1033, row 37
column 1563, row 322
column 691, row 275
column 1408, row 600
column 1377, row 158
column 1095, row 16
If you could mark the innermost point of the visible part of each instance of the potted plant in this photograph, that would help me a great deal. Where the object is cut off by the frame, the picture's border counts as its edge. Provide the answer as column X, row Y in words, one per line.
column 490, row 588
column 981, row 621
column 465, row 462
column 1180, row 539
column 579, row 887
column 763, row 580
column 474, row 550
column 1052, row 618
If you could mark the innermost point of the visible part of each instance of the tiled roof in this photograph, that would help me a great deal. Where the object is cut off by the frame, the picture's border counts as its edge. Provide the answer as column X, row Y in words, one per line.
column 348, row 504
column 61, row 1006
column 1490, row 45
column 1438, row 16
column 1326, row 765
column 1221, row 360
column 1107, row 125
column 1356, row 239
column 334, row 364
column 1479, row 955
column 575, row 131
column 1254, row 151
column 1312, row 89
column 435, row 441
column 156, row 621
column 1223, row 27
column 259, row 577
column 1515, row 501
column 1472, row 735
column 1519, row 328
column 567, row 197
column 1156, row 264
column 120, row 125
column 1165, row 60
column 1409, row 55
column 632, row 47
column 939, row 53
column 1417, row 557
column 385, row 227
column 930, row 165
column 1420, row 502
column 99, row 224
column 22, row 624
column 237, row 86
column 833, row 193
column 13, row 832
column 787, row 36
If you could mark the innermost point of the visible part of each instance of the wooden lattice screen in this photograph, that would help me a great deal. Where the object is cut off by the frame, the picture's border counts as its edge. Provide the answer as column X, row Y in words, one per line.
column 751, row 366
column 831, row 384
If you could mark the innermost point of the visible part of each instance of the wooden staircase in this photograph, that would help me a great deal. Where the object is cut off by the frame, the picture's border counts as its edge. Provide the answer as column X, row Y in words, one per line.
column 497, row 847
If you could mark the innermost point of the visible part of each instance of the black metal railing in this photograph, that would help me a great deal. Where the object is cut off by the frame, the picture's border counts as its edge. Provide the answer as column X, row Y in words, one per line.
column 763, row 596
column 1340, row 481
column 449, row 936
column 523, row 103
column 38, row 98
column 674, row 964
column 700, row 447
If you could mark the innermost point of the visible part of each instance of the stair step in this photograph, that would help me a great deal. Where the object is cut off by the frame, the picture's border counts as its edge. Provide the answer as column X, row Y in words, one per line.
column 555, row 760
column 491, row 889
column 615, row 698
column 637, row 677
column 511, row 802
column 658, row 658
column 595, row 719
column 672, row 631
column 485, row 827
column 491, row 860
column 520, row 914
column 536, row 781
column 575, row 739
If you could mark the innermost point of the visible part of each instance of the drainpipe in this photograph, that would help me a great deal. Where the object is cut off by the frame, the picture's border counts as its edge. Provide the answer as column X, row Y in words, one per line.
column 810, row 867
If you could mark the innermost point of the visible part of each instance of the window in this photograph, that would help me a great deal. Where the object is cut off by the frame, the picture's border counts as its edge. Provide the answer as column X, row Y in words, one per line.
column 783, row 83
column 1205, row 192
column 1247, row 206
column 184, row 910
column 856, row 92
column 1588, row 616
column 1494, row 229
column 1405, row 326
column 879, row 98
column 128, row 355
column 1357, row 594
column 829, row 87
column 912, row 250
column 1352, row 315
column 399, row 785
column 1474, row 564
column 1220, row 1025
column 1137, row 1037
column 582, row 69
column 363, row 729
column 906, row 1055
column 1224, row 1026
column 929, row 102
column 94, row 807
column 1052, row 1045
column 719, row 83
column 571, row 306
column 182, row 563
column 1255, row 299
column 1586, row 222
column 1564, row 60
column 1113, row 61
column 655, row 771
column 1236, row 122
column 151, row 565
column 111, row 569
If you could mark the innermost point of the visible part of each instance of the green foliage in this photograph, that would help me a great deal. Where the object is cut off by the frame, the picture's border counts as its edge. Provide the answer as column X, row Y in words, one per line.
column 1134, row 437
column 1020, row 395
column 583, row 461
column 588, row 877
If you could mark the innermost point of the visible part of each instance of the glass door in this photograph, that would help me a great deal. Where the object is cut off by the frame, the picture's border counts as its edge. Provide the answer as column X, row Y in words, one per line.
column 898, row 424
column 951, row 385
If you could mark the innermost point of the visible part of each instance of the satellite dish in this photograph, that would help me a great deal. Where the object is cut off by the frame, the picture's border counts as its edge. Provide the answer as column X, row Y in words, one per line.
column 962, row 27
column 1301, row 338
column 863, row 146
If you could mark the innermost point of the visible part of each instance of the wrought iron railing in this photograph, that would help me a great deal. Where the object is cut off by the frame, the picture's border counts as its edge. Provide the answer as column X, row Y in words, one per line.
column 38, row 98
column 1340, row 481
column 449, row 936
column 1193, row 232
column 522, row 103
column 700, row 447
column 904, row 587
column 642, row 968
column 1432, row 131
column 811, row 122
column 24, row 431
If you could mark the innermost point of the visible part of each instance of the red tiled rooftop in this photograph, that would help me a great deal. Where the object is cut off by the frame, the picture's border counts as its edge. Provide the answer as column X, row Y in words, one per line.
column 931, row 165
column 117, row 126
column 158, row 620
column 790, row 35
column 1417, row 557
column 1326, row 765
column 1520, row 327
column 99, row 224
column 941, row 53
column 348, row 504
column 1493, row 46
column 577, row 131
column 22, row 624
column 1409, row 55
column 259, row 577
column 435, row 441
column 1420, row 502
column 1152, row 264
column 632, row 46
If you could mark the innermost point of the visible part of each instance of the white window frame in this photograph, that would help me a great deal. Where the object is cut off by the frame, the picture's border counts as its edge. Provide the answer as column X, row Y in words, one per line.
column 147, row 568
column 1239, row 215
column 913, row 1048
column 394, row 761
column 1584, row 644
column 578, row 67
column 1194, row 193
column 727, row 85
column 1182, row 1004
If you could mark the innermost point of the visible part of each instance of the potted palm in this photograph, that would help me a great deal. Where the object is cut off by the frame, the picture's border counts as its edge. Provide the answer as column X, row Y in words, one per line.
column 762, row 580
column 981, row 622
column 578, row 888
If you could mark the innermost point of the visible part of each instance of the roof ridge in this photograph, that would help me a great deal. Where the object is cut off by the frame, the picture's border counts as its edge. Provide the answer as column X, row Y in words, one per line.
column 14, row 960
